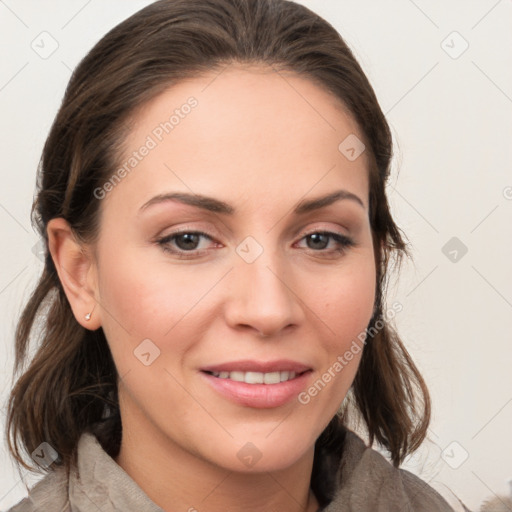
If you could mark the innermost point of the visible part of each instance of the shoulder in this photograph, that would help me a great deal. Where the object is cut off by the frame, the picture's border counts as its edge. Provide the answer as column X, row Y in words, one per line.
column 50, row 493
column 96, row 483
column 368, row 482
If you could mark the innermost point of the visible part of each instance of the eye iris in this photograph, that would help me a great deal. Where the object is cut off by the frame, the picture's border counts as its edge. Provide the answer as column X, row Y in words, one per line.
column 316, row 236
column 190, row 238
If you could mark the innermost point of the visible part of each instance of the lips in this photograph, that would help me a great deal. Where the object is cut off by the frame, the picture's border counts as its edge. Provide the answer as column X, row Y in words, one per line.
column 283, row 365
column 257, row 372
column 258, row 384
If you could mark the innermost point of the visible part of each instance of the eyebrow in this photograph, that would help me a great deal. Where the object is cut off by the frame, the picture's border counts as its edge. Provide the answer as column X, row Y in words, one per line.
column 215, row 205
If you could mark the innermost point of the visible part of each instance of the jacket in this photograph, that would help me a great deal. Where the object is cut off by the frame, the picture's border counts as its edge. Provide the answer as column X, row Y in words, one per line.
column 364, row 482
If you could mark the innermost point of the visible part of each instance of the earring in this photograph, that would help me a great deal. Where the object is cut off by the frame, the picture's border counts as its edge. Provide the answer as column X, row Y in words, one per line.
column 88, row 315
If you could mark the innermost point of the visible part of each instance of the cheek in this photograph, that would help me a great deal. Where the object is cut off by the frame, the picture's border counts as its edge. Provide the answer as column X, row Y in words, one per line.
column 145, row 302
column 345, row 304
column 137, row 289
column 346, row 307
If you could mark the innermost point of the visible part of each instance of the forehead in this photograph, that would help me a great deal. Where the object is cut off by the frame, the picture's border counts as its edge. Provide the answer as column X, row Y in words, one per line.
column 246, row 131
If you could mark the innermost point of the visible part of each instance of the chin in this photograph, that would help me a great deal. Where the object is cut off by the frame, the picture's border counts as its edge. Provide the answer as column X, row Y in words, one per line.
column 264, row 454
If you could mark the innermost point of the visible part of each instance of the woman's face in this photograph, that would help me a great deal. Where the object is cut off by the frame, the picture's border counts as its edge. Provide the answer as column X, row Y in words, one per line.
column 259, row 294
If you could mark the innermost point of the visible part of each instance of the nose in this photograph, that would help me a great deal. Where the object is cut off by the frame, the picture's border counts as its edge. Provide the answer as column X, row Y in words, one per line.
column 261, row 296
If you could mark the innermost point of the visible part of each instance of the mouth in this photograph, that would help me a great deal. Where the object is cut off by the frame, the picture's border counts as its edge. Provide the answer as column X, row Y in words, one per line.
column 257, row 377
column 261, row 385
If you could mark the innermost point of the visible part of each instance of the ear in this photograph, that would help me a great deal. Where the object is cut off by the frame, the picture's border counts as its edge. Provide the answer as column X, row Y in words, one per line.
column 77, row 272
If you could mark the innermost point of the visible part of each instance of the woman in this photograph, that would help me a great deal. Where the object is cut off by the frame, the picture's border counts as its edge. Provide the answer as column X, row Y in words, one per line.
column 212, row 200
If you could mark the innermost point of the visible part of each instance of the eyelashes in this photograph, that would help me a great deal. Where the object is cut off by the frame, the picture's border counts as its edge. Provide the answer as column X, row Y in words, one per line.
column 166, row 241
column 170, row 243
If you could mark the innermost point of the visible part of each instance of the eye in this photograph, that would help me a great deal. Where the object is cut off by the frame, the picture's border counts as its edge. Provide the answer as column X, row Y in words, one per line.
column 185, row 241
column 184, row 244
column 317, row 241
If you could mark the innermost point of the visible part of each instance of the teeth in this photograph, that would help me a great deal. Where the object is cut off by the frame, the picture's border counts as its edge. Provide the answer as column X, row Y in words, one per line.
column 256, row 377
column 238, row 376
column 272, row 378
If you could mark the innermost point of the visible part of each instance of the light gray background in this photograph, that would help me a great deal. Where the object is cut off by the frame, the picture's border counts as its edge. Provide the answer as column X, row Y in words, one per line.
column 451, row 119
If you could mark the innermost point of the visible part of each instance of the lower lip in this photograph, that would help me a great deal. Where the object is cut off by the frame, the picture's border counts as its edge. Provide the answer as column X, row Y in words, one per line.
column 259, row 396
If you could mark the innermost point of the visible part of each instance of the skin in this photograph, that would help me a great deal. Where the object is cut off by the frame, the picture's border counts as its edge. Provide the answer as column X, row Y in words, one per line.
column 180, row 436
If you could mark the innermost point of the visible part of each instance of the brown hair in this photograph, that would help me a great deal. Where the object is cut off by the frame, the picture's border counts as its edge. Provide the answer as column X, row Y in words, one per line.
column 72, row 378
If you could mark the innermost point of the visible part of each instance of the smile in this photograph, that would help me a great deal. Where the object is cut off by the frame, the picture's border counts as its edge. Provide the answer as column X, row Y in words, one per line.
column 256, row 377
column 262, row 390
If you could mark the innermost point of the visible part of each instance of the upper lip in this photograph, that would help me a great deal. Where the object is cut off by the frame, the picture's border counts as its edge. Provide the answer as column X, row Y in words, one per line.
column 258, row 366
